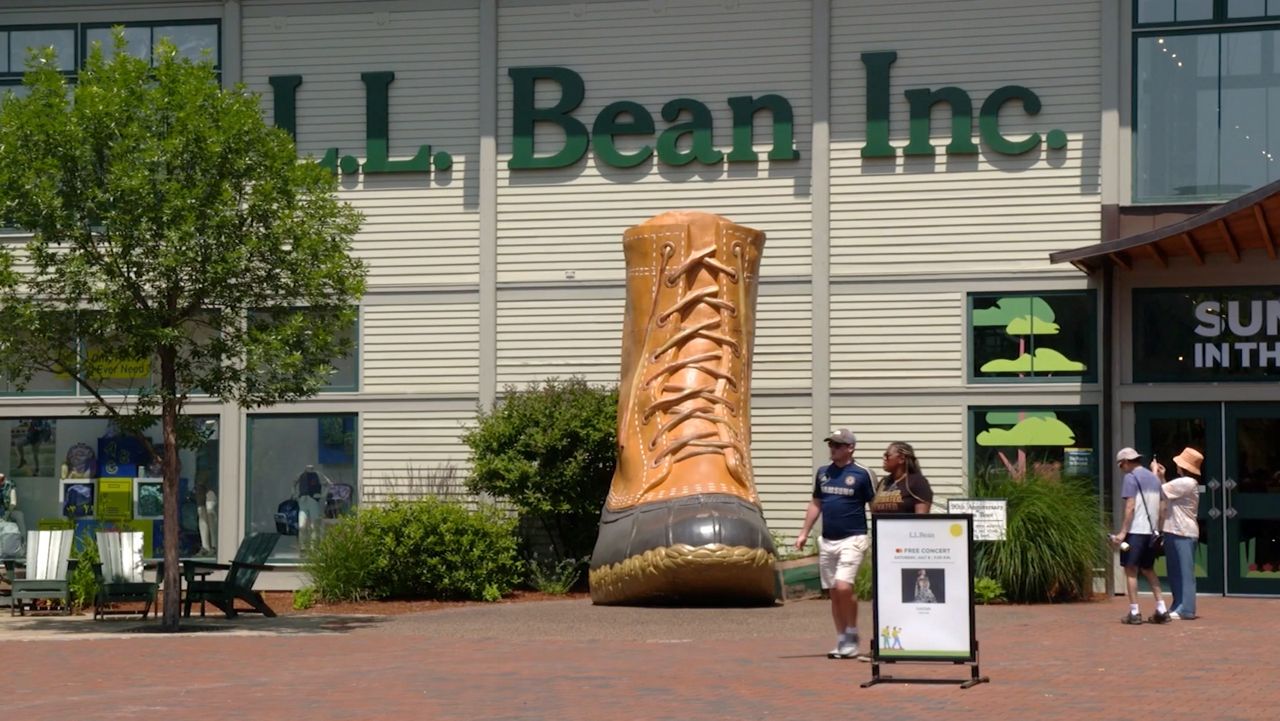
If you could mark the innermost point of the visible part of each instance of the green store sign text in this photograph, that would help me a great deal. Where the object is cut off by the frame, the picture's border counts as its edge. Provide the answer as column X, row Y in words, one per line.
column 685, row 118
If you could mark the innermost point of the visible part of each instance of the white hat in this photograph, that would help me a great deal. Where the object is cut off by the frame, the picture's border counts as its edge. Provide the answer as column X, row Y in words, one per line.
column 1127, row 454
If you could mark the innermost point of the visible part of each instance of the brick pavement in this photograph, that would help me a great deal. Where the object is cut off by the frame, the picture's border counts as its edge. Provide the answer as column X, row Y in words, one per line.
column 569, row 660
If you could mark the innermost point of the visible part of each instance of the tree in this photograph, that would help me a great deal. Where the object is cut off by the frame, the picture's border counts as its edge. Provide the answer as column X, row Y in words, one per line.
column 169, row 224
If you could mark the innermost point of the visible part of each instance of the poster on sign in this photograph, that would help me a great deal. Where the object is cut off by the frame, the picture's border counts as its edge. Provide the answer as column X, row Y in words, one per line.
column 990, row 516
column 923, row 572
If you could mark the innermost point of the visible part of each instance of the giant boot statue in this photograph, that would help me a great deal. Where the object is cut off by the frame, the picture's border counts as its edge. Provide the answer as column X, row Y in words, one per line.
column 682, row 521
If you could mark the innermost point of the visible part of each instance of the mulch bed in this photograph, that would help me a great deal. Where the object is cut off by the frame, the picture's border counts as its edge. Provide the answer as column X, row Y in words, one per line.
column 282, row 603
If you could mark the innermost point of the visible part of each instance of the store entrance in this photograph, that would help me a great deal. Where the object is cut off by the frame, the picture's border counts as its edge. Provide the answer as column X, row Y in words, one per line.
column 1239, row 549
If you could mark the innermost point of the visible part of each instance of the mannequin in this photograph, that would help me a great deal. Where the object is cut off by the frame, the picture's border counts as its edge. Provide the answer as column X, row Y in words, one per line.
column 207, row 517
column 9, row 504
column 310, row 489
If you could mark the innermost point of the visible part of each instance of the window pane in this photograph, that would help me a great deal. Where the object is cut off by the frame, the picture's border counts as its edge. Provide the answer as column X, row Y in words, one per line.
column 344, row 371
column 1058, row 441
column 191, row 40
column 1273, row 7
column 1155, row 11
column 138, row 39
column 1206, row 334
column 82, row 473
column 63, row 41
column 302, row 476
column 1034, row 336
column 4, row 54
column 1248, row 143
column 1246, row 8
column 1177, row 124
column 1195, row 10
column 43, row 382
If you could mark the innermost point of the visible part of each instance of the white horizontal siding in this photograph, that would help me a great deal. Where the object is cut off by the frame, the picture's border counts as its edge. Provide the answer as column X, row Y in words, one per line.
column 417, row 229
column 432, row 348
column 546, row 338
column 936, row 431
column 572, row 219
column 908, row 340
column 784, row 342
column 413, row 453
column 781, row 448
column 966, row 213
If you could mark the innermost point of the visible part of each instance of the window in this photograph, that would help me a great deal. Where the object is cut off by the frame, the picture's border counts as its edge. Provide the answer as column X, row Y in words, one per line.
column 72, row 43
column 16, row 42
column 1206, row 334
column 344, row 373
column 1206, row 101
column 1055, row 441
column 192, row 39
column 83, row 474
column 301, row 476
column 1033, row 337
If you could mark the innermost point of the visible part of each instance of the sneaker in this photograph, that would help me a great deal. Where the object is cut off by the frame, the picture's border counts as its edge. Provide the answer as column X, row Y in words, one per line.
column 1158, row 617
column 846, row 649
column 1133, row 619
column 1175, row 616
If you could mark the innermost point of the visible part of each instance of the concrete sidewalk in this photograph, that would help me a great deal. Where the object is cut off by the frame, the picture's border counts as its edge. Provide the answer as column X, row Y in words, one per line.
column 570, row 660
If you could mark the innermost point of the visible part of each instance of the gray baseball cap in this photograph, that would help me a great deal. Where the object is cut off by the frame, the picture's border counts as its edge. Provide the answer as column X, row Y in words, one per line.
column 842, row 435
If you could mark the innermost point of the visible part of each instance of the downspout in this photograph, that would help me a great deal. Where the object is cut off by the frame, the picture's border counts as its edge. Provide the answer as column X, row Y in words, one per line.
column 1105, row 490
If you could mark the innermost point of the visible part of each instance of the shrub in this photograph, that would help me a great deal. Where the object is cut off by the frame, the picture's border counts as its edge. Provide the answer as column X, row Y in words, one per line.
column 1055, row 538
column 987, row 590
column 304, row 598
column 552, row 577
column 862, row 582
column 427, row 548
column 342, row 563
column 82, row 580
column 549, row 450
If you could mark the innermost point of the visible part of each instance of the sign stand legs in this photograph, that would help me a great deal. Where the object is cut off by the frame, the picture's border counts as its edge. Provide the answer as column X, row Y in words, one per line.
column 975, row 674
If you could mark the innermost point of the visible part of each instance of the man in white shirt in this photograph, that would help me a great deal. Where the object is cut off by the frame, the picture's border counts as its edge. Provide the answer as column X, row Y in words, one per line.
column 1141, row 493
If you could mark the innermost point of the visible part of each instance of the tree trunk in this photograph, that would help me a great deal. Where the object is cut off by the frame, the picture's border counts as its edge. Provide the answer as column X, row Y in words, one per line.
column 172, row 505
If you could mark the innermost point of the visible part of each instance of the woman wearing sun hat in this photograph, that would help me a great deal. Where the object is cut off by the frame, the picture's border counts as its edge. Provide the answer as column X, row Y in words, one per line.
column 1180, row 499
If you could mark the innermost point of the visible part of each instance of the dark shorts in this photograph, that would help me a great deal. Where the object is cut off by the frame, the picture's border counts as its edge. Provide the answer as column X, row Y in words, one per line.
column 1140, row 553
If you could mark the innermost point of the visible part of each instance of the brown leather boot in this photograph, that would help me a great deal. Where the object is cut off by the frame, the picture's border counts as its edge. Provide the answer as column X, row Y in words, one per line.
column 682, row 522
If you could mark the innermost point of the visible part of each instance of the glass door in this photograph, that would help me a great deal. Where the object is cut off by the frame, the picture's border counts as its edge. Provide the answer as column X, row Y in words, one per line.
column 1252, row 498
column 1164, row 429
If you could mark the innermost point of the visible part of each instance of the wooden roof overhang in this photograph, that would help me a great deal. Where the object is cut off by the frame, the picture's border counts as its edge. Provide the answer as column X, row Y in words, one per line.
column 1249, row 222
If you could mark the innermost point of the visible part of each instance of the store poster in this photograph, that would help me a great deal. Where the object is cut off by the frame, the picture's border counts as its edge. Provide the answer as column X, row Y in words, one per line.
column 923, row 604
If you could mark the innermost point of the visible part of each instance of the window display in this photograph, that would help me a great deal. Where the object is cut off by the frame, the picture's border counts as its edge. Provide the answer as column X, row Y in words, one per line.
column 83, row 473
column 1046, row 441
column 302, row 476
column 1038, row 337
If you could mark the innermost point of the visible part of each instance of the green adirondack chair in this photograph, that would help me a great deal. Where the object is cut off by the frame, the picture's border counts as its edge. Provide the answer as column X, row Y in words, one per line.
column 120, row 574
column 48, row 557
column 242, row 573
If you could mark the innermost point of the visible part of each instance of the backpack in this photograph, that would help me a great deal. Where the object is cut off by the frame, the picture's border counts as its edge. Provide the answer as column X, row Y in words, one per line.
column 11, row 541
column 287, row 518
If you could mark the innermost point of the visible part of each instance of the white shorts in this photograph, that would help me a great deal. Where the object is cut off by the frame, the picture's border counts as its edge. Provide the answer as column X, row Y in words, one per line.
column 839, row 560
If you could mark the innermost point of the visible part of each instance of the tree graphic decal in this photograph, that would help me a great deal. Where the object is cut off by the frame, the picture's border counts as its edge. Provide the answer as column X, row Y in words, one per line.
column 1028, row 319
column 1024, row 429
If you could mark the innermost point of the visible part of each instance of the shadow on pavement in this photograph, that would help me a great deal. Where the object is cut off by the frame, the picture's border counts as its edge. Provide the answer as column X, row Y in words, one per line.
column 54, row 627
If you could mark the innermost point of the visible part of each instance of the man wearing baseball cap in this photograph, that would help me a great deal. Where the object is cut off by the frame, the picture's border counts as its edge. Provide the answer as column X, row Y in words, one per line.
column 1141, row 493
column 841, row 492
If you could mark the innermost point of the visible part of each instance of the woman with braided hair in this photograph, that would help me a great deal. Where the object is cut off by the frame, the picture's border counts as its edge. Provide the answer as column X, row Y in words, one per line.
column 904, row 489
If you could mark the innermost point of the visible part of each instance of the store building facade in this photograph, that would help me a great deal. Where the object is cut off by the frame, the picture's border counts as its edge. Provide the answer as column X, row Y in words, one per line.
column 914, row 164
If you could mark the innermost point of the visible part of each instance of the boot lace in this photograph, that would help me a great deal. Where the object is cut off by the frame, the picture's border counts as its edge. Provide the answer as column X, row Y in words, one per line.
column 677, row 403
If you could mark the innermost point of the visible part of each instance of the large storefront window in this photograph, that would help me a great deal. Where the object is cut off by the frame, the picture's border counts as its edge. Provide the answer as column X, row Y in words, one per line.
column 83, row 474
column 301, row 476
column 1033, row 337
column 1047, row 441
column 1207, row 113
column 1206, row 334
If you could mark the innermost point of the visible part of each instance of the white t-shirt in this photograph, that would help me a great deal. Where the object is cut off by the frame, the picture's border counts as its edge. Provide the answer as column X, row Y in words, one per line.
column 1183, row 496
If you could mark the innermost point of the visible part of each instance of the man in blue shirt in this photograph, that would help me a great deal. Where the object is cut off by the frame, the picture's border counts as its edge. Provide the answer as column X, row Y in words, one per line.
column 1141, row 493
column 841, row 492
